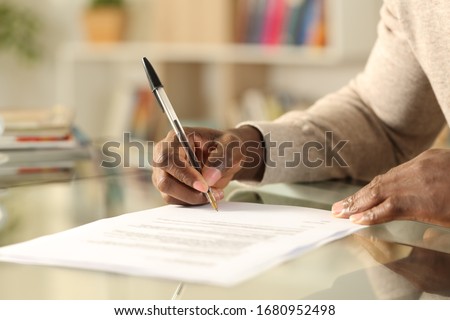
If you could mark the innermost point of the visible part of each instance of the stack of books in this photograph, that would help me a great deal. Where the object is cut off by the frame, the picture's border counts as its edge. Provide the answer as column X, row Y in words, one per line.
column 36, row 129
column 281, row 22
column 38, row 144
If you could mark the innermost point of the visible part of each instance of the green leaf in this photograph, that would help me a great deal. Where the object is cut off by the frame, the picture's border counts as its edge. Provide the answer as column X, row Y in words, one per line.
column 18, row 31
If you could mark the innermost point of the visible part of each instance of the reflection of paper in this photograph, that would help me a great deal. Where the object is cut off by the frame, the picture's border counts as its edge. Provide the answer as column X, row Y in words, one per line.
column 187, row 243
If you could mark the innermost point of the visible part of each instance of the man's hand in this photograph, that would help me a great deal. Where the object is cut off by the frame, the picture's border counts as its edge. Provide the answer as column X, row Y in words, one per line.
column 224, row 155
column 416, row 190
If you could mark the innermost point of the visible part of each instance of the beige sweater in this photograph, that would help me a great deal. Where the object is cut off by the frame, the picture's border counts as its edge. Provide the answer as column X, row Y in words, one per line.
column 389, row 113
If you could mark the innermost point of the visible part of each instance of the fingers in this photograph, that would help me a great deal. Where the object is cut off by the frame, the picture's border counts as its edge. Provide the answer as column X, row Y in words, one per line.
column 382, row 251
column 370, row 196
column 174, row 176
column 383, row 212
column 375, row 203
column 220, row 153
column 175, row 192
column 169, row 157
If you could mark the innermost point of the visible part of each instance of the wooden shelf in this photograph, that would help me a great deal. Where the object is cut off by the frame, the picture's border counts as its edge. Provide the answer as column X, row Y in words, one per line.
column 208, row 75
column 201, row 53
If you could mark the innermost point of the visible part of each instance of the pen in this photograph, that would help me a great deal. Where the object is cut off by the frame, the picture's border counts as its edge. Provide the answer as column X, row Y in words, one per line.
column 163, row 100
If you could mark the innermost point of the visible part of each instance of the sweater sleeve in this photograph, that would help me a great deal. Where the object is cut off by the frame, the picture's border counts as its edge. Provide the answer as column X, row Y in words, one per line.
column 386, row 115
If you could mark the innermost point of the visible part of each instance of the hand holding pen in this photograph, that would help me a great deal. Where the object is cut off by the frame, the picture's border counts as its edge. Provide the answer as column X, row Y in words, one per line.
column 166, row 106
column 189, row 176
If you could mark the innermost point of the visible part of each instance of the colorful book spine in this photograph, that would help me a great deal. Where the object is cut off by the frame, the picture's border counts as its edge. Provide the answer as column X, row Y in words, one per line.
column 306, row 20
column 274, row 20
column 258, row 14
column 316, row 30
column 281, row 22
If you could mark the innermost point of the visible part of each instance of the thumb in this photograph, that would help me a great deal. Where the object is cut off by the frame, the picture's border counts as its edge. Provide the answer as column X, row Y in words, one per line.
column 223, row 161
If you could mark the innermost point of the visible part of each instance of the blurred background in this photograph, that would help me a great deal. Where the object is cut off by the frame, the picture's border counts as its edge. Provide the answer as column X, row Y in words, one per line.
column 71, row 74
column 221, row 61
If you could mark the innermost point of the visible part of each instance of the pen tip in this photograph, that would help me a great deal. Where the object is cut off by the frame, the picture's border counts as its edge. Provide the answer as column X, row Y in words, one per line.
column 209, row 195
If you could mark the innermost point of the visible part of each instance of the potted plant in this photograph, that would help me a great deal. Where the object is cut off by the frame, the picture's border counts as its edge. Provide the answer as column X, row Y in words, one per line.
column 19, row 29
column 105, row 20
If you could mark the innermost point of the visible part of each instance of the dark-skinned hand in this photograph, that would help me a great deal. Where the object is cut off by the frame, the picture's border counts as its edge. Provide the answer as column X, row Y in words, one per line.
column 224, row 155
column 417, row 190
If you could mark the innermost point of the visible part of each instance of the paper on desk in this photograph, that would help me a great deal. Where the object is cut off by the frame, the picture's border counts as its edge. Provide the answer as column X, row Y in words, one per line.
column 193, row 244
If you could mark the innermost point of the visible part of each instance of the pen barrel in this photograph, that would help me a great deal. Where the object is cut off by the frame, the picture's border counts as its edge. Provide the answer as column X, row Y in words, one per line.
column 187, row 147
column 167, row 108
column 166, row 105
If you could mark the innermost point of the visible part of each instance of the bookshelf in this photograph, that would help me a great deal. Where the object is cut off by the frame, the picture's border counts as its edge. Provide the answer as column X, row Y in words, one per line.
column 206, row 72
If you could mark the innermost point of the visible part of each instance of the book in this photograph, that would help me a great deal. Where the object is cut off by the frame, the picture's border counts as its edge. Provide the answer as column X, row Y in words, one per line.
column 24, row 165
column 37, row 128
column 316, row 33
column 256, row 21
column 47, row 122
column 36, row 142
column 242, row 13
column 291, row 24
column 274, row 21
column 306, row 18
column 281, row 22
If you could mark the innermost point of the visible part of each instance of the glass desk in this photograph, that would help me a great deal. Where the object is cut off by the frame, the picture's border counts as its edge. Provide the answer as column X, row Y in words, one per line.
column 391, row 261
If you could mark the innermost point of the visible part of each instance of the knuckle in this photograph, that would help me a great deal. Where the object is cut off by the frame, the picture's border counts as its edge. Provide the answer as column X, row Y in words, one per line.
column 374, row 194
column 391, row 205
column 375, row 181
column 372, row 216
column 183, row 176
column 171, row 135
column 161, row 158
column 374, row 189
column 353, row 208
column 350, row 204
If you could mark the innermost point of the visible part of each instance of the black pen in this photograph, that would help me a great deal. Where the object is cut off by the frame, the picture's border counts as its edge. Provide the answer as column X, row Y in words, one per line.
column 164, row 102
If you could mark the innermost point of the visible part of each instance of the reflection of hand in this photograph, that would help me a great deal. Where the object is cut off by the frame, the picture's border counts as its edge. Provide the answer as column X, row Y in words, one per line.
column 416, row 190
column 224, row 155
column 437, row 239
column 426, row 269
column 382, row 251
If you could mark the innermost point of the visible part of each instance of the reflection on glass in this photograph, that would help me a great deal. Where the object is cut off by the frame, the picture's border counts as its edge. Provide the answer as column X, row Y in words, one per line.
column 427, row 270
column 3, row 159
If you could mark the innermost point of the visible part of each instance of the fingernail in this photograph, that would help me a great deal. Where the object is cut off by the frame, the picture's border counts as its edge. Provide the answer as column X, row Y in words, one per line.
column 211, row 175
column 357, row 218
column 200, row 186
column 337, row 208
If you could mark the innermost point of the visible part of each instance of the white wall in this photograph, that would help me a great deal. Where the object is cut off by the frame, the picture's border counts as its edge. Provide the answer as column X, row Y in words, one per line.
column 25, row 84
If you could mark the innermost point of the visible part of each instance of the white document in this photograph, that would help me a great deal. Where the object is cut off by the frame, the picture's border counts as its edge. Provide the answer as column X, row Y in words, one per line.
column 193, row 244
